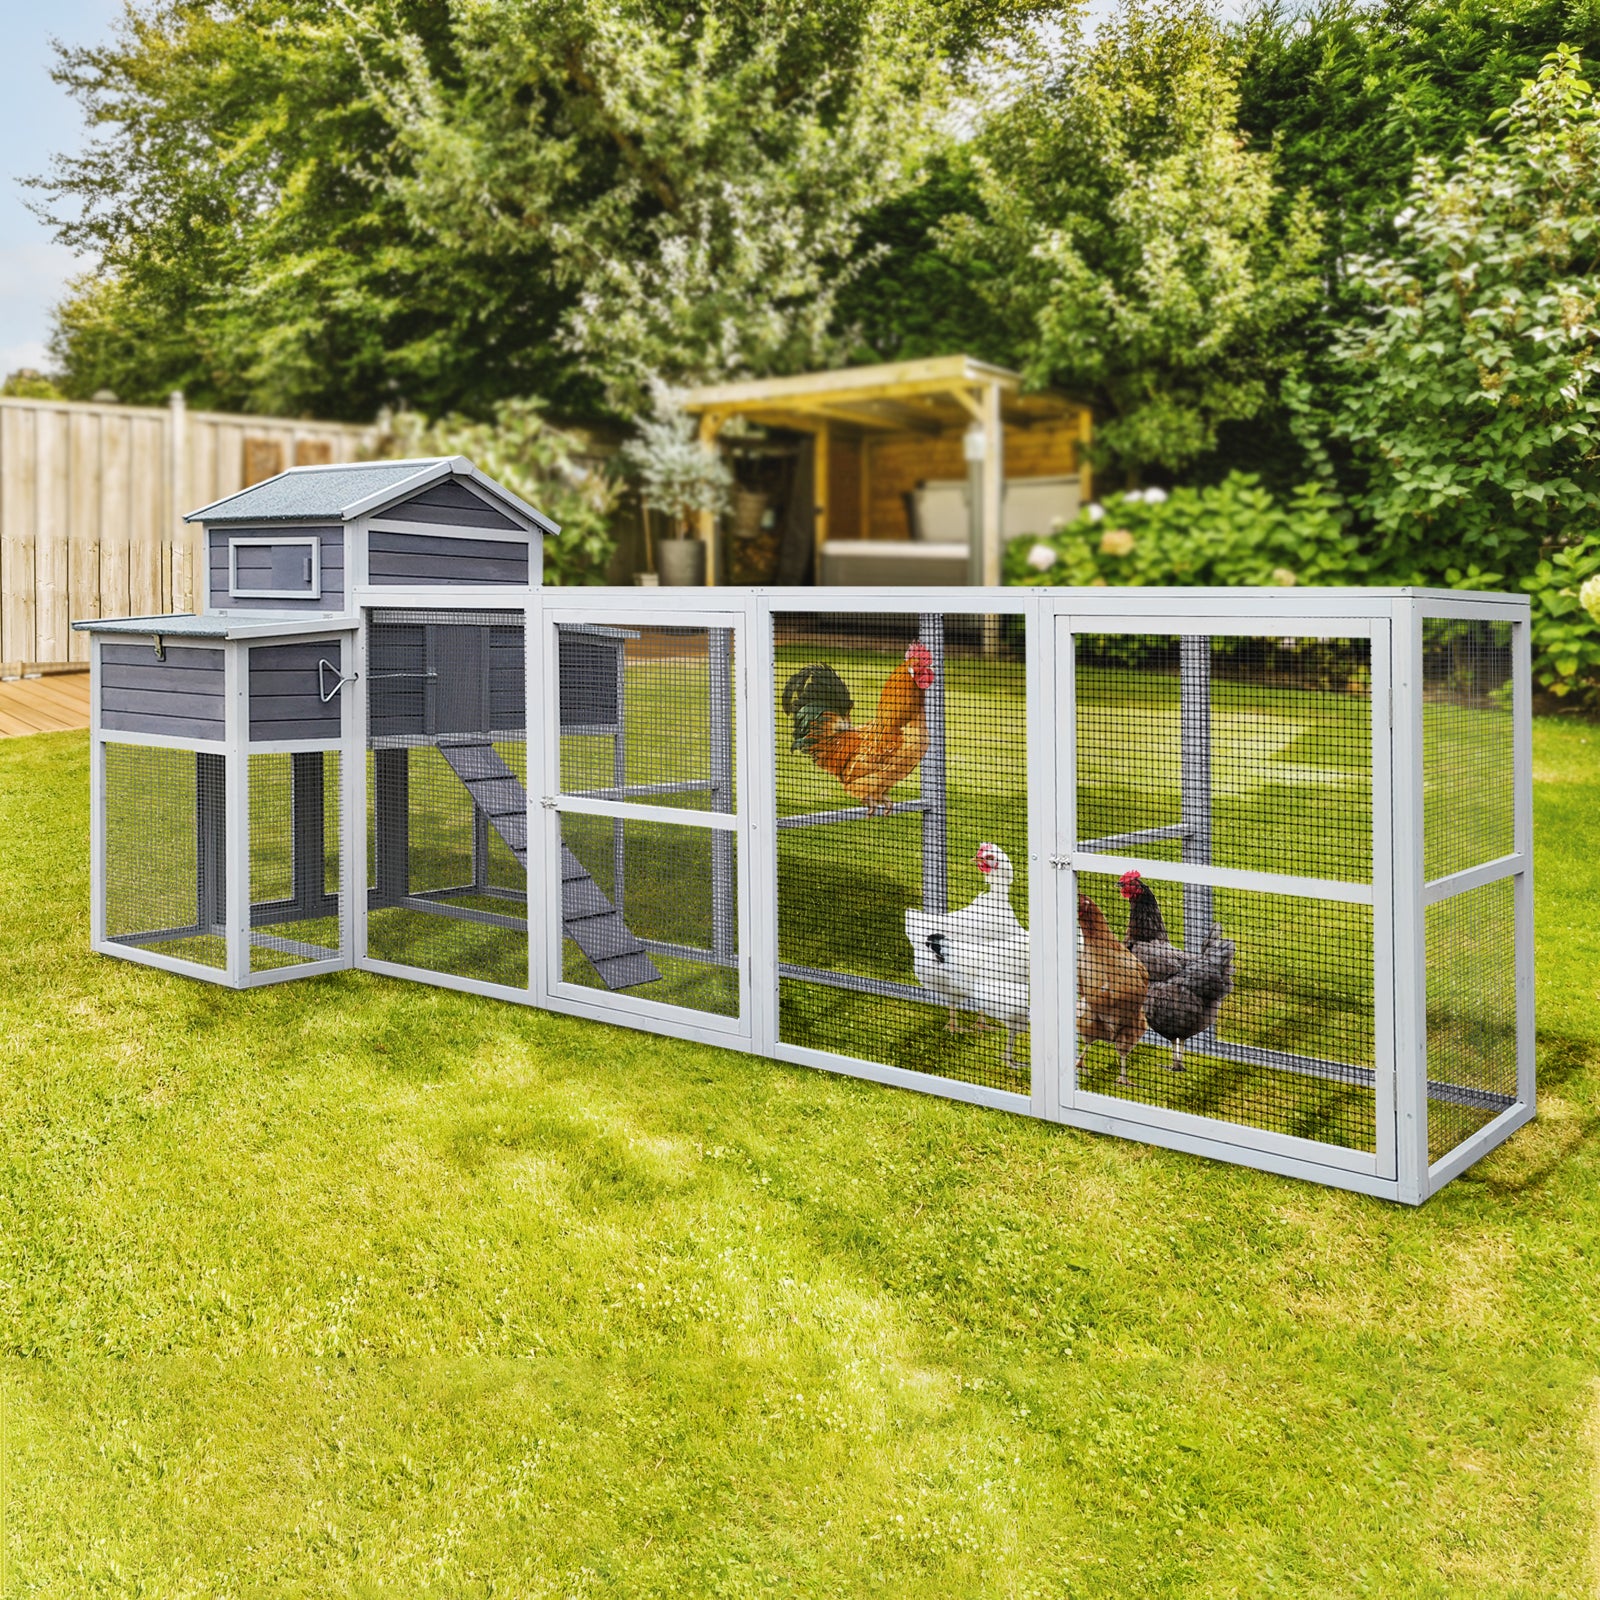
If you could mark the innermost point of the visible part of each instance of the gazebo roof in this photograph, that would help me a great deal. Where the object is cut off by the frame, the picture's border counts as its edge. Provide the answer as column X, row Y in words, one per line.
column 925, row 396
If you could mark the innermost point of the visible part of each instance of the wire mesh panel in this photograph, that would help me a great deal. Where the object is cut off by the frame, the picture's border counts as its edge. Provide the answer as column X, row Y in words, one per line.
column 1472, row 1013
column 1468, row 728
column 649, row 907
column 1265, row 1020
column 165, row 852
column 294, row 859
column 647, row 713
column 1468, row 808
column 902, row 805
column 1246, row 1004
column 447, row 796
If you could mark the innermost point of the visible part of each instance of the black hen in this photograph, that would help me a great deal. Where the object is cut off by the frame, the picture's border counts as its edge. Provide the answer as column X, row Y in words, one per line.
column 1186, row 989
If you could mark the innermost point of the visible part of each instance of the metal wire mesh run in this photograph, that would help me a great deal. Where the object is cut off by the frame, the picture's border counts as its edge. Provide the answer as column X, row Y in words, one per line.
column 1265, row 1017
column 165, row 851
column 294, row 859
column 1247, row 753
column 647, row 714
column 1472, row 1012
column 1468, row 726
column 1243, row 752
column 902, row 805
column 447, row 797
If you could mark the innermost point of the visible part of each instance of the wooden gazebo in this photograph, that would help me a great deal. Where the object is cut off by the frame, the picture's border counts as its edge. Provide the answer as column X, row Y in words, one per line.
column 883, row 435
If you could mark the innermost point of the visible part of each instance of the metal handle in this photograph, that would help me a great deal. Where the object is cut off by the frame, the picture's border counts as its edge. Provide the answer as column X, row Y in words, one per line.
column 325, row 694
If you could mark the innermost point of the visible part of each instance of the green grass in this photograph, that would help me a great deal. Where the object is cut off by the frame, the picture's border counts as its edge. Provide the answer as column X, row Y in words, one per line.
column 356, row 1287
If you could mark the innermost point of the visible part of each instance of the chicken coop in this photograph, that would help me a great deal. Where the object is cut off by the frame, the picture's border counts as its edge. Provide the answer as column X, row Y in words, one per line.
column 1239, row 873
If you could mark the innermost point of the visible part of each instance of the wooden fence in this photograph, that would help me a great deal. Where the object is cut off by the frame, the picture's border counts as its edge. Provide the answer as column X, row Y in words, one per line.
column 92, row 499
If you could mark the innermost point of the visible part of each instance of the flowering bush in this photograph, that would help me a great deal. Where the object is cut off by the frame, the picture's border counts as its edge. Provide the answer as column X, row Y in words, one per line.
column 1234, row 532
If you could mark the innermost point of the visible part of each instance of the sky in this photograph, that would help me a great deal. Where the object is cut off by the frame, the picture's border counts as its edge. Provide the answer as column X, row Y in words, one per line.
column 37, row 119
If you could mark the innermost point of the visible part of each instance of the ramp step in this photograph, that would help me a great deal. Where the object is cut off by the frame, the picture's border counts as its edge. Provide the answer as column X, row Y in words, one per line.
column 587, row 916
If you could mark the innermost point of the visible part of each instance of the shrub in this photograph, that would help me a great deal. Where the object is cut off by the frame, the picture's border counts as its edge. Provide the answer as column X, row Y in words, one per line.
column 1234, row 532
column 1564, row 590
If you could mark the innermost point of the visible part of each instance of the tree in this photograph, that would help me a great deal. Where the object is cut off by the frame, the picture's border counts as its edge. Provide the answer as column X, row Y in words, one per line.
column 1472, row 401
column 695, row 174
column 1147, row 261
column 246, row 252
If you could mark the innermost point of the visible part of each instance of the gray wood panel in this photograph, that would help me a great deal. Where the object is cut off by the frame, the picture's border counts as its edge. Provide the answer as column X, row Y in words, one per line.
column 451, row 503
column 421, row 558
column 286, row 691
column 256, row 560
column 180, row 697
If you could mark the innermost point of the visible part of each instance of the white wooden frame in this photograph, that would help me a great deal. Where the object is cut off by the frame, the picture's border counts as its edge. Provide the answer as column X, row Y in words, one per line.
column 1398, row 893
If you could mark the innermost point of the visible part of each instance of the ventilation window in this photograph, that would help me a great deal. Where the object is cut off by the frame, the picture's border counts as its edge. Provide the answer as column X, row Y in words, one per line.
column 275, row 569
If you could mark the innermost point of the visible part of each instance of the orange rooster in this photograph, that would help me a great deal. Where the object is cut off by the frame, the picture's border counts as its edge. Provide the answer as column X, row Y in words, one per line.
column 1112, row 985
column 871, row 759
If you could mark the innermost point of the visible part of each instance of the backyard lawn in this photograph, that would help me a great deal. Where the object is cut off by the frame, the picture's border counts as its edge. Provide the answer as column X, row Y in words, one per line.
column 357, row 1287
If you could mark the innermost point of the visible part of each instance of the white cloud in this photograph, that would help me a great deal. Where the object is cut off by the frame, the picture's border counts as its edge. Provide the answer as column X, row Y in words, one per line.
column 33, row 278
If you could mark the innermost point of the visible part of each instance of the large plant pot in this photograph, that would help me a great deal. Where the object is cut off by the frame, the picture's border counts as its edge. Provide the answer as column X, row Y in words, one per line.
column 681, row 562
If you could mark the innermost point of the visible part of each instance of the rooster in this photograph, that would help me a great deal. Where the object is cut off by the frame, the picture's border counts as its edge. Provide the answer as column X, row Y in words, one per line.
column 871, row 759
column 1186, row 990
column 1111, row 987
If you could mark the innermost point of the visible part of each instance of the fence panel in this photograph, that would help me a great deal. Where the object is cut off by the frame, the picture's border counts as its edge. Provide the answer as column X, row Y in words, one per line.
column 91, row 509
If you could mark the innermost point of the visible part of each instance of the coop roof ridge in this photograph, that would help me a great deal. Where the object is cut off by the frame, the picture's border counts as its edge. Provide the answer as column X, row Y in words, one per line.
column 345, row 500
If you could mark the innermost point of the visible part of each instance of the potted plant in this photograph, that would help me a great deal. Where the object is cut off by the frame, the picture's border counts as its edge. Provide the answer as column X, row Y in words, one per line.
column 680, row 478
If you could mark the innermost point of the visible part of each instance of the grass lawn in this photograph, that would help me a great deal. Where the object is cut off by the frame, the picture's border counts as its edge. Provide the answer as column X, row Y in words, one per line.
column 355, row 1287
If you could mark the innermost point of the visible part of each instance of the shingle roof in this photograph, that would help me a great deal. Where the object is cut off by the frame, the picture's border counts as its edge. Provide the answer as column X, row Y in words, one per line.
column 343, row 491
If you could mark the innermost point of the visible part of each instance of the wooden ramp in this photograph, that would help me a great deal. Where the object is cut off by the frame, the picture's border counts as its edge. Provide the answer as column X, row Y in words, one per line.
column 52, row 704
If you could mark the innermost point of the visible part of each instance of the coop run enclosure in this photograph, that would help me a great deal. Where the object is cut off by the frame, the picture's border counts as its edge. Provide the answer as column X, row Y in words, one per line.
column 910, row 837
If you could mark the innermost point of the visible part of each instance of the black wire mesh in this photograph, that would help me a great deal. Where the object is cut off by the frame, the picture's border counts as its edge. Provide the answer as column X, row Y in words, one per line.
column 901, row 754
column 648, row 718
column 447, row 796
column 1468, row 788
column 1472, row 1012
column 1247, row 753
column 647, row 714
column 165, row 851
column 294, row 859
column 1278, row 735
column 1263, row 1017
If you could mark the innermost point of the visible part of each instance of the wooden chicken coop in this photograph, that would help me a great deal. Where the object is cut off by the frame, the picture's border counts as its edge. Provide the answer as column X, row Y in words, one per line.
column 912, row 473
column 1242, row 873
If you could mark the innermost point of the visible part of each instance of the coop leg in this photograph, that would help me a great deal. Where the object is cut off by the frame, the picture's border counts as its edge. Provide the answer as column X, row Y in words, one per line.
column 392, row 824
column 211, row 842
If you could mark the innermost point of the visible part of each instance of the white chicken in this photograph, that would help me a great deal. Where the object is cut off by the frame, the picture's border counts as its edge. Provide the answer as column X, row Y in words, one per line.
column 934, row 935
column 993, row 976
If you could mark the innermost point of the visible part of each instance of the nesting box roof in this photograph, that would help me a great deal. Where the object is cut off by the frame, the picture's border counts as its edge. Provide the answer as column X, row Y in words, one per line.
column 359, row 488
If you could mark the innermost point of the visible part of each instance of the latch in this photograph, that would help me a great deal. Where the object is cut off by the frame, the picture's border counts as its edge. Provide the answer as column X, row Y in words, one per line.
column 339, row 680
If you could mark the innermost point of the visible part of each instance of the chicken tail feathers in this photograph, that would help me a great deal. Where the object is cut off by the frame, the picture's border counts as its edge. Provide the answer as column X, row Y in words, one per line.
column 814, row 692
column 1211, row 977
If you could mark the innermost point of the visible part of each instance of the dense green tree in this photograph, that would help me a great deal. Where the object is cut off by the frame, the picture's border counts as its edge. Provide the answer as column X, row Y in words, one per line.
column 1472, row 405
column 1147, row 262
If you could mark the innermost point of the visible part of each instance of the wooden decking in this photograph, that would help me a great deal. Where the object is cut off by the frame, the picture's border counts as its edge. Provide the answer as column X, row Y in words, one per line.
column 50, row 704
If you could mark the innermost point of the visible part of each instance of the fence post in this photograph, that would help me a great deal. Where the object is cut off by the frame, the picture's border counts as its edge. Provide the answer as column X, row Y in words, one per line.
column 179, row 575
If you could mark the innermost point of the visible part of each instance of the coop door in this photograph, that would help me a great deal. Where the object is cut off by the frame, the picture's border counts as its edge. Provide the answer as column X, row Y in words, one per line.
column 1217, row 814
column 642, row 797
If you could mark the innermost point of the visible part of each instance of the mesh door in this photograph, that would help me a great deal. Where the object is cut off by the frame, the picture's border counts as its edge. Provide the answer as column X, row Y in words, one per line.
column 447, row 796
column 901, row 756
column 1254, row 755
column 649, row 907
column 294, row 859
column 1468, row 798
column 165, row 851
